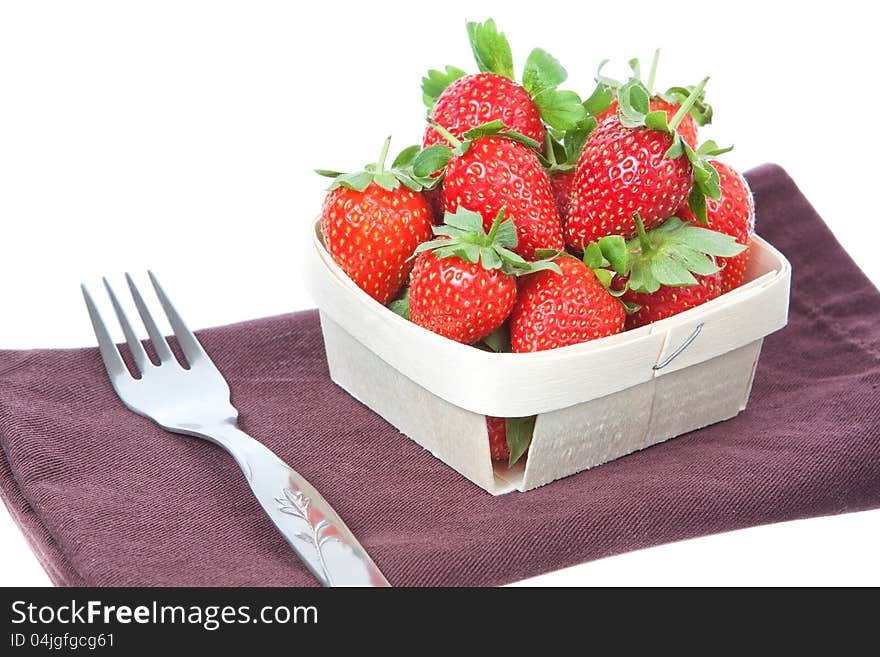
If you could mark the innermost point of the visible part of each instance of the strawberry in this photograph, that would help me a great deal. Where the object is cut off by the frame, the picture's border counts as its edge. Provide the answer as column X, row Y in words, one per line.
column 561, row 183
column 637, row 164
column 495, row 169
column 497, row 438
column 372, row 221
column 668, row 301
column 476, row 99
column 461, row 102
column 562, row 155
column 509, row 438
column 603, row 103
column 559, row 309
column 733, row 214
column 463, row 285
column 665, row 271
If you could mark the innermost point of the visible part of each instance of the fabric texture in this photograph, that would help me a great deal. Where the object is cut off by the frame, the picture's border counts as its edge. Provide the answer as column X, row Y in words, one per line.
column 106, row 498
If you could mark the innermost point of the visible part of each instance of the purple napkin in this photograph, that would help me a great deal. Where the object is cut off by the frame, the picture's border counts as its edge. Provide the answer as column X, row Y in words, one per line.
column 105, row 497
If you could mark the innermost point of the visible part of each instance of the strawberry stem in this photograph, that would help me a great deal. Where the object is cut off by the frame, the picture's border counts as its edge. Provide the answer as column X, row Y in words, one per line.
column 644, row 242
column 548, row 146
column 490, row 238
column 653, row 72
column 448, row 136
column 687, row 105
column 380, row 165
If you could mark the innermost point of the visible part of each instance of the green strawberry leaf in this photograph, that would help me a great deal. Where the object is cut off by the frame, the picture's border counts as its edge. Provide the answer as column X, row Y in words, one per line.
column 491, row 49
column 693, row 260
column 697, row 205
column 605, row 277
column 406, row 156
column 709, row 241
column 600, row 100
column 464, row 220
column 657, row 121
column 435, row 83
column 431, row 160
column 593, row 257
column 613, row 248
column 562, row 110
column 357, row 181
column 634, row 103
column 328, row 173
column 519, row 432
column 710, row 149
column 401, row 305
column 542, row 72
column 671, row 273
column 506, row 235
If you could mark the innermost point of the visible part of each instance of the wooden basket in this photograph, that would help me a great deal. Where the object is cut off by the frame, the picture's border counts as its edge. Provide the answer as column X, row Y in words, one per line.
column 595, row 401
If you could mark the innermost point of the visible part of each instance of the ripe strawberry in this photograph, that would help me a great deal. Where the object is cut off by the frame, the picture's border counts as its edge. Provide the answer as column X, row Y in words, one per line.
column 687, row 128
column 561, row 182
column 667, row 270
column 668, row 301
column 460, row 300
column 636, row 164
column 476, row 99
column 624, row 171
column 463, row 285
column 558, row 309
column 732, row 214
column 498, row 438
column 497, row 173
column 461, row 102
column 371, row 224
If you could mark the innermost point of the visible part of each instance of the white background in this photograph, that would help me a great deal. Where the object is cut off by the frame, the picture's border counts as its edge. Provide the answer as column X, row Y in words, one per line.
column 181, row 136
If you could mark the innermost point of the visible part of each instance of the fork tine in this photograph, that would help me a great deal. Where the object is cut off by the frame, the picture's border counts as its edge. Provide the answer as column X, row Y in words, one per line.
column 187, row 340
column 137, row 349
column 110, row 355
column 163, row 351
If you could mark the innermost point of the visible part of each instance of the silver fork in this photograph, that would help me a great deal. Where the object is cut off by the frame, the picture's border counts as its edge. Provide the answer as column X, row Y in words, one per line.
column 195, row 401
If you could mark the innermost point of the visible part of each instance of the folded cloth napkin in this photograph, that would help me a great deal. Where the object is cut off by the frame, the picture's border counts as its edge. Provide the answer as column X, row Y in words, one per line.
column 105, row 497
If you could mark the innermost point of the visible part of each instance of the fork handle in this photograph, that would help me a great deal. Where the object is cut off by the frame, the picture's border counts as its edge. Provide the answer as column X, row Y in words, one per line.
column 305, row 519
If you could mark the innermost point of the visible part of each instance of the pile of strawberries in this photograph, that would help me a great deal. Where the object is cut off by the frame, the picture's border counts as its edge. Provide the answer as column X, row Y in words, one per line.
column 530, row 219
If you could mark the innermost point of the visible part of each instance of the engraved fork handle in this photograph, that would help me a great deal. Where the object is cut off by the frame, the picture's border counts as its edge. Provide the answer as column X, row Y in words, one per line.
column 305, row 519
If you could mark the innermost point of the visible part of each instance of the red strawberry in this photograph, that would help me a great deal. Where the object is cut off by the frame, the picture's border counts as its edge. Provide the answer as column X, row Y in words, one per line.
column 668, row 301
column 371, row 225
column 477, row 99
column 461, row 102
column 509, row 438
column 624, row 171
column 458, row 299
column 554, row 310
column 497, row 173
column 561, row 182
column 498, row 438
column 463, row 285
column 687, row 128
column 636, row 164
column 732, row 214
